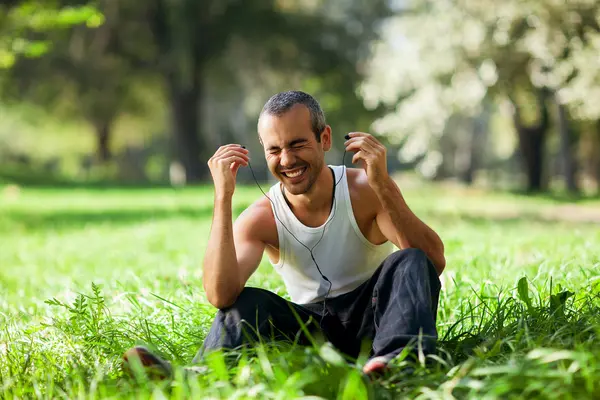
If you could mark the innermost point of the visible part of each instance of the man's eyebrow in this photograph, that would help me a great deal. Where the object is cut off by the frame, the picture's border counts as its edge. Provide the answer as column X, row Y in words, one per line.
column 290, row 144
column 297, row 141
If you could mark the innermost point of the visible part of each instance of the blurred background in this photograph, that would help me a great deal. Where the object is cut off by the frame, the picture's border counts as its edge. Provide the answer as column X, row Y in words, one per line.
column 485, row 93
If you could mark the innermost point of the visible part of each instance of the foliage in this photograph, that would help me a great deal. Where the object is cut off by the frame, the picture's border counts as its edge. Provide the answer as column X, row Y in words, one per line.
column 197, row 57
column 518, row 315
column 21, row 22
column 454, row 57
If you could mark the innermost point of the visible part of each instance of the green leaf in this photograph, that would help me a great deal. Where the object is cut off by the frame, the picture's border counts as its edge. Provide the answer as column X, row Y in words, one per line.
column 216, row 361
column 7, row 59
column 72, row 16
column 354, row 387
column 36, row 49
column 558, row 301
column 330, row 355
column 523, row 290
column 95, row 20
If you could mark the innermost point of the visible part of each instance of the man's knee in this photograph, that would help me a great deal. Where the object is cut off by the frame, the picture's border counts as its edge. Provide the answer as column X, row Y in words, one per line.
column 249, row 301
column 407, row 259
column 225, row 331
column 411, row 270
column 412, row 254
column 412, row 264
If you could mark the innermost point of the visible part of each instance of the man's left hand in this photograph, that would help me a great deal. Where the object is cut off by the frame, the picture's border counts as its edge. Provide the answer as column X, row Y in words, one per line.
column 372, row 154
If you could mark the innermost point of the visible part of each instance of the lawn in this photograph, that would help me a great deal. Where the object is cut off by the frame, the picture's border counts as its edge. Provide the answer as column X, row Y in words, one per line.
column 85, row 273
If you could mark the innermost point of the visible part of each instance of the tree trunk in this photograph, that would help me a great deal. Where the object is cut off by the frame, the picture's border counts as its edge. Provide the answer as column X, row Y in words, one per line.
column 103, row 136
column 597, row 157
column 186, row 127
column 181, row 56
column 477, row 140
column 532, row 143
column 566, row 152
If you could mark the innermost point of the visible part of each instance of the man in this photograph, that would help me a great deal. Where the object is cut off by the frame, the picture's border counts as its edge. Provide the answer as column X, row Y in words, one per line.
column 329, row 232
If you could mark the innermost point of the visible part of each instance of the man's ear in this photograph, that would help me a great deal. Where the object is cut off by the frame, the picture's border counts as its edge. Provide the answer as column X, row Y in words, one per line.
column 326, row 138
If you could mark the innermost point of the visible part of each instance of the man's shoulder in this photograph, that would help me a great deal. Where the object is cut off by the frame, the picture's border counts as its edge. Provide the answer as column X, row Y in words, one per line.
column 359, row 189
column 262, row 208
column 358, row 182
column 356, row 175
column 257, row 219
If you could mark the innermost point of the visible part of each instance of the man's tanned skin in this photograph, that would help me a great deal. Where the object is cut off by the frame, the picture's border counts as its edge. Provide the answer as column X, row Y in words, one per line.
column 383, row 297
column 235, row 250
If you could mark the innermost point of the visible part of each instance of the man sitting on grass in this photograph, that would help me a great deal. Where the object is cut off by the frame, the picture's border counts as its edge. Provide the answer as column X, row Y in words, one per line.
column 329, row 232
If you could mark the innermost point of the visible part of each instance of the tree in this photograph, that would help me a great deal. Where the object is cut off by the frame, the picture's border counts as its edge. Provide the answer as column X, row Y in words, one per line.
column 18, row 19
column 80, row 76
column 185, row 45
column 450, row 55
column 189, row 36
column 532, row 139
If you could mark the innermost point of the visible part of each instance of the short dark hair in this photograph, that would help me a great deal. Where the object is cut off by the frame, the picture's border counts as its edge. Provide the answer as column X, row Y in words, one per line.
column 282, row 102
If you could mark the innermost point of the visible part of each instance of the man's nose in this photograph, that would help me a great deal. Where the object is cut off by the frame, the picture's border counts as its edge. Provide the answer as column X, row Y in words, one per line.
column 287, row 159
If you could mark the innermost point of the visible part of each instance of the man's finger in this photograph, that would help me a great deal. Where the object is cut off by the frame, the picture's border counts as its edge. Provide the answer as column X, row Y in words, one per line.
column 232, row 152
column 227, row 159
column 235, row 166
column 227, row 147
column 231, row 159
column 358, row 156
column 368, row 147
column 360, row 144
column 351, row 139
column 364, row 136
column 354, row 146
column 373, row 140
column 358, row 134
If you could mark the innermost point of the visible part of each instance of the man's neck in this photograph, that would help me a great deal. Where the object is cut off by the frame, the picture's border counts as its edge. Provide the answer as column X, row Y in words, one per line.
column 318, row 198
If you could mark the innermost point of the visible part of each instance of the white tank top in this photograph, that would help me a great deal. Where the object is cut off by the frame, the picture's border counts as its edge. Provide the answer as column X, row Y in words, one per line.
column 344, row 255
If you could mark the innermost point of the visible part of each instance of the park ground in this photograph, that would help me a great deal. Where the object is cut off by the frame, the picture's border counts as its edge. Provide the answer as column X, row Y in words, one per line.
column 85, row 273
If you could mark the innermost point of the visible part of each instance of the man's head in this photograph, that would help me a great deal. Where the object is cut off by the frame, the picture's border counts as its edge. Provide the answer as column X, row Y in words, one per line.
column 295, row 137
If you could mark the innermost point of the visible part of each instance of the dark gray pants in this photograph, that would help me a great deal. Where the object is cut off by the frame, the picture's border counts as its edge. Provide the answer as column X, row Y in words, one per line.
column 396, row 307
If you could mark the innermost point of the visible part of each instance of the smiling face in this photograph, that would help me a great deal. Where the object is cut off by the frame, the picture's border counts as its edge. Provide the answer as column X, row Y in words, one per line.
column 293, row 154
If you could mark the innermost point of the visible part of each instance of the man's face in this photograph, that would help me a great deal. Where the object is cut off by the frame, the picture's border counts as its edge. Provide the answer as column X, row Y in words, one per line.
column 293, row 154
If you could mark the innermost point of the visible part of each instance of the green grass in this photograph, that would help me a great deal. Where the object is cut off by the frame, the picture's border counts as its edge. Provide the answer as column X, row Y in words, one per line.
column 87, row 273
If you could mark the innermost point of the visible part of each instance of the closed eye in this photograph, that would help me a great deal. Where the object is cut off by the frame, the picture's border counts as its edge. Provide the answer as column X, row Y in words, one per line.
column 296, row 144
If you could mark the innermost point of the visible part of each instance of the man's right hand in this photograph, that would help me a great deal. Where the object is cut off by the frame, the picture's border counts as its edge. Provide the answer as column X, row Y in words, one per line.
column 224, row 165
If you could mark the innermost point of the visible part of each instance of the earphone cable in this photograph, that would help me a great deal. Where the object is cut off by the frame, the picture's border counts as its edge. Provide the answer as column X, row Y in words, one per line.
column 334, row 207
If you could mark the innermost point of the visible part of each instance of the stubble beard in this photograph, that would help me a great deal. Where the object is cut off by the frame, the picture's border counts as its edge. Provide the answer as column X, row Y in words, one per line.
column 313, row 174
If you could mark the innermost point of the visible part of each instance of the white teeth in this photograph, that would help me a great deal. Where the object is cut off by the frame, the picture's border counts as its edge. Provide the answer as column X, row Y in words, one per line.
column 295, row 173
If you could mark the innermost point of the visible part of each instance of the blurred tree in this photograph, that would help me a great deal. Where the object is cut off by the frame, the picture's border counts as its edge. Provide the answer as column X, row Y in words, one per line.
column 450, row 55
column 20, row 18
column 188, row 46
column 300, row 35
column 532, row 138
column 328, row 64
column 82, row 76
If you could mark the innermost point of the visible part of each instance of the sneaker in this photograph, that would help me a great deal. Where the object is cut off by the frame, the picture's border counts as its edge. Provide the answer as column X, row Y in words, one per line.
column 154, row 366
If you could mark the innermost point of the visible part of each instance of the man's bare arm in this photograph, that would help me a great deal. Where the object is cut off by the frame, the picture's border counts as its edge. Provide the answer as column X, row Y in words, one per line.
column 395, row 219
column 224, row 268
column 233, row 253
column 403, row 228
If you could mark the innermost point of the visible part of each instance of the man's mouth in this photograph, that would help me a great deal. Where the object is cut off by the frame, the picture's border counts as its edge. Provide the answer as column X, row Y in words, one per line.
column 293, row 173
